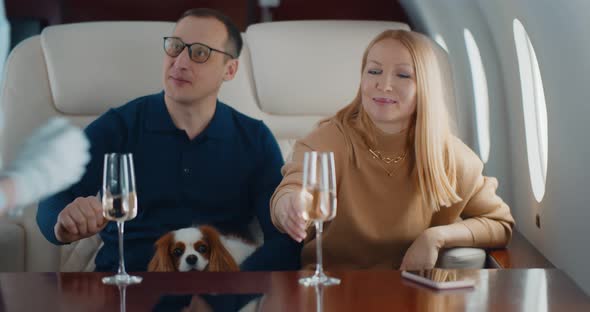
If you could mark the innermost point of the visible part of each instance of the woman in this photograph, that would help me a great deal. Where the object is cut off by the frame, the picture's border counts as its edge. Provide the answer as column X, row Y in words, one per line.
column 403, row 178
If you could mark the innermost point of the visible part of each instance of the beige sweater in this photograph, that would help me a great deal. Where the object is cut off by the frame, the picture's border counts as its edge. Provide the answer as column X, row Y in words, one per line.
column 379, row 216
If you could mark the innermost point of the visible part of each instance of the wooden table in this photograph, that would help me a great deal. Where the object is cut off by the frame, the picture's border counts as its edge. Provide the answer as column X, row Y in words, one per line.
column 497, row 290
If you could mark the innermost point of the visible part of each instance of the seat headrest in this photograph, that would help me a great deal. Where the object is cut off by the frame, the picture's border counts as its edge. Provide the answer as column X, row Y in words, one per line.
column 85, row 79
column 309, row 67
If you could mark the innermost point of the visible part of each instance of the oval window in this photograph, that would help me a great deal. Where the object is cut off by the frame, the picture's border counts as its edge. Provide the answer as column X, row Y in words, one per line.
column 534, row 108
column 480, row 95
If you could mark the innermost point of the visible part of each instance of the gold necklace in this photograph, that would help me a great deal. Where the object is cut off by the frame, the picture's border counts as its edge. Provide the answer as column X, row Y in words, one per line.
column 388, row 160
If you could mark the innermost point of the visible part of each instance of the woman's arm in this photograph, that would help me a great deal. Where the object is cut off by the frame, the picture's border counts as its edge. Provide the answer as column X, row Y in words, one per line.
column 284, row 204
column 486, row 219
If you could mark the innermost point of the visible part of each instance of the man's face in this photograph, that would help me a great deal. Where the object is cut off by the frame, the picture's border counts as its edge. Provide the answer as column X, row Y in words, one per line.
column 186, row 81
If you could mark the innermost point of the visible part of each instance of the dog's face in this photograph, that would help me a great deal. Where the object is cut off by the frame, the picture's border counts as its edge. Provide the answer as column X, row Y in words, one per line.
column 191, row 249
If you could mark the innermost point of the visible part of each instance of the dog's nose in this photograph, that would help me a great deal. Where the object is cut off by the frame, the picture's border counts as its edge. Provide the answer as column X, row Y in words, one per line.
column 192, row 259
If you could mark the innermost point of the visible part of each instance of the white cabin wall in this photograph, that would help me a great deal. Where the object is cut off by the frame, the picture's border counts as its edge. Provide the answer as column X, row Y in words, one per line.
column 558, row 33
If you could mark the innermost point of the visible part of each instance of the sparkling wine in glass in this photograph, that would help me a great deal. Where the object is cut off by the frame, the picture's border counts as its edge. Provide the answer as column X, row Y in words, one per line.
column 119, row 203
column 319, row 205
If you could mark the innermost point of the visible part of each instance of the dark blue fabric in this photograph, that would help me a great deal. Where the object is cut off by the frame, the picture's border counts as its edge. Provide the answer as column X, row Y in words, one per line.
column 217, row 303
column 224, row 177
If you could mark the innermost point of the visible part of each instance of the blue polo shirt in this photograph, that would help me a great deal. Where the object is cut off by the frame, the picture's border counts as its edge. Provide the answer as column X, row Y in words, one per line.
column 223, row 177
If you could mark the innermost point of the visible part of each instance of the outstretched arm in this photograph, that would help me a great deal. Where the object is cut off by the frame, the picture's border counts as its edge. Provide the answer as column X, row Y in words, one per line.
column 486, row 219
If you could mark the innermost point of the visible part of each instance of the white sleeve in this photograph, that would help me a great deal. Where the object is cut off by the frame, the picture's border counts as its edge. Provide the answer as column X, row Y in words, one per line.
column 2, row 202
column 52, row 159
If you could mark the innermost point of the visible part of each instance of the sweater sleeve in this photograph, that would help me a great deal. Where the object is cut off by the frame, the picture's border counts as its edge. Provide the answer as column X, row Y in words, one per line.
column 326, row 138
column 484, row 213
column 292, row 173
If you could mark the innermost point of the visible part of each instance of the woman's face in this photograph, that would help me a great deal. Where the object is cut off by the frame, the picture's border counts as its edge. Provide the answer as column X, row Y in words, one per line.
column 388, row 86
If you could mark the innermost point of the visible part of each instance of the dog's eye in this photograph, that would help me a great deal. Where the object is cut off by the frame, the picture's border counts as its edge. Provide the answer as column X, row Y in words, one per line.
column 202, row 249
column 177, row 252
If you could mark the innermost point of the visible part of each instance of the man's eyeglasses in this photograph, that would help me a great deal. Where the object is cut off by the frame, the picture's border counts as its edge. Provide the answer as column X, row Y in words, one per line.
column 198, row 52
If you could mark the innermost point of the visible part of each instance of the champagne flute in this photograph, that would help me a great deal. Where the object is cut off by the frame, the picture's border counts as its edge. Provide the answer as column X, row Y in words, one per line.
column 319, row 298
column 122, row 298
column 319, row 205
column 119, row 203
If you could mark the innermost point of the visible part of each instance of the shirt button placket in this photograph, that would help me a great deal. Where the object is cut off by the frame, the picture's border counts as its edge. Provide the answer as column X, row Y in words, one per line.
column 185, row 165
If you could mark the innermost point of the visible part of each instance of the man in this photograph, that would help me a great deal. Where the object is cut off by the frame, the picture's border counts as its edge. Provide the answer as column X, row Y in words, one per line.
column 197, row 161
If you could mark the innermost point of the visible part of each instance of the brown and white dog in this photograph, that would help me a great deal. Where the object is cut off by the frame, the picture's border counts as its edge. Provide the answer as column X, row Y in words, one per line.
column 200, row 248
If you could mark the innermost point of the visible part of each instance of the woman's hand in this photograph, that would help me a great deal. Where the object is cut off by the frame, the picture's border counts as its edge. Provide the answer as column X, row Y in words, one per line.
column 289, row 214
column 6, row 194
column 423, row 253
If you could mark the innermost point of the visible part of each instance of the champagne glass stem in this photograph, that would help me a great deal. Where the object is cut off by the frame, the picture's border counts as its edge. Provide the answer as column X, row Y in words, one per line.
column 319, row 268
column 121, row 227
column 122, row 299
column 319, row 298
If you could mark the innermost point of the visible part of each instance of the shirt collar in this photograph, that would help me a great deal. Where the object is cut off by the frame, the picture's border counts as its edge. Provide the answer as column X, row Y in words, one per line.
column 158, row 119
column 221, row 125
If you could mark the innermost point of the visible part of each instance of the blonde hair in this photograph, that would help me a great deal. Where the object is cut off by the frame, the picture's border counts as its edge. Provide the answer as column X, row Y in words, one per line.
column 429, row 133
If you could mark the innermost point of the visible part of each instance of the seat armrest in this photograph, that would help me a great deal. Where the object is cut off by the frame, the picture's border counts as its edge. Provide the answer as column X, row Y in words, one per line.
column 12, row 246
column 519, row 253
column 79, row 256
column 461, row 258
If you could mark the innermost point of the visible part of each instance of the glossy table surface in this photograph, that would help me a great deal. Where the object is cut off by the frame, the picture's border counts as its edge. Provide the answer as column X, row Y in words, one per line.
column 519, row 253
column 496, row 290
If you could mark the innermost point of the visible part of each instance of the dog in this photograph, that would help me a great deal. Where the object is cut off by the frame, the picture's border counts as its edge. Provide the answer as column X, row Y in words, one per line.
column 200, row 248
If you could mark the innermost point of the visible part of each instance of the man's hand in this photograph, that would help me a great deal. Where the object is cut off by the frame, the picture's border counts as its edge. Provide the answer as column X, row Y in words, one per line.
column 80, row 219
column 288, row 212
column 423, row 253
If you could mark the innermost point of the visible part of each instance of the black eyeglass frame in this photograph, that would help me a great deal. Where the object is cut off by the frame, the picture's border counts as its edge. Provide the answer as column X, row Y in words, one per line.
column 190, row 52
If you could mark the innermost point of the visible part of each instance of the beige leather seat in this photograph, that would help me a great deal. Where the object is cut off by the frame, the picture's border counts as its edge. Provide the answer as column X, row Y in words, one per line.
column 291, row 74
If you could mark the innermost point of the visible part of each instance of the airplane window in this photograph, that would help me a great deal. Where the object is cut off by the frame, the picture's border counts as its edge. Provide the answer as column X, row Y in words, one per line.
column 535, row 110
column 480, row 92
column 441, row 41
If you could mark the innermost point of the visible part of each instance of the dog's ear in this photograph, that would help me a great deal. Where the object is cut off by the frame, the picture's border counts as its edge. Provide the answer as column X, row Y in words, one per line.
column 220, row 260
column 162, row 260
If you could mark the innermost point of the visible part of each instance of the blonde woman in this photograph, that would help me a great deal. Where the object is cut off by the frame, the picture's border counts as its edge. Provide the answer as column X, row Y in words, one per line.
column 403, row 178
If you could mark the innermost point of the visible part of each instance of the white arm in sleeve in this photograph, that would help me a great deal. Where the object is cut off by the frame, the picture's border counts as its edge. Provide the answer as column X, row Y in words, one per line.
column 52, row 159
column 2, row 202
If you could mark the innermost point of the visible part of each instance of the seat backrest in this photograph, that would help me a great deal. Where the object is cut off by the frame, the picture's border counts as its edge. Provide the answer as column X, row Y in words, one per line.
column 304, row 71
column 291, row 74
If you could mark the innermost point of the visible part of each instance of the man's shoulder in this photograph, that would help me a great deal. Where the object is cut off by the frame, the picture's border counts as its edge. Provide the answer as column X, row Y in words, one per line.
column 241, row 117
column 244, row 124
column 467, row 162
column 131, row 107
column 121, row 117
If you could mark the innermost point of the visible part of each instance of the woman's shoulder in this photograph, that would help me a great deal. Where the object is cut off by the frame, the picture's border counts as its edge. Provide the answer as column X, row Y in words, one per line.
column 328, row 135
column 466, row 160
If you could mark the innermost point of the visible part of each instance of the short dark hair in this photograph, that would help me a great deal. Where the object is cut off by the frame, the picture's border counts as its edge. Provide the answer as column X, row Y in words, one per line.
column 233, row 44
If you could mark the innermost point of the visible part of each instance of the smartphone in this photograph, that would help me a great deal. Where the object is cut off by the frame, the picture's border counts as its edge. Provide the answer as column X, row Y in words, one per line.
column 440, row 278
